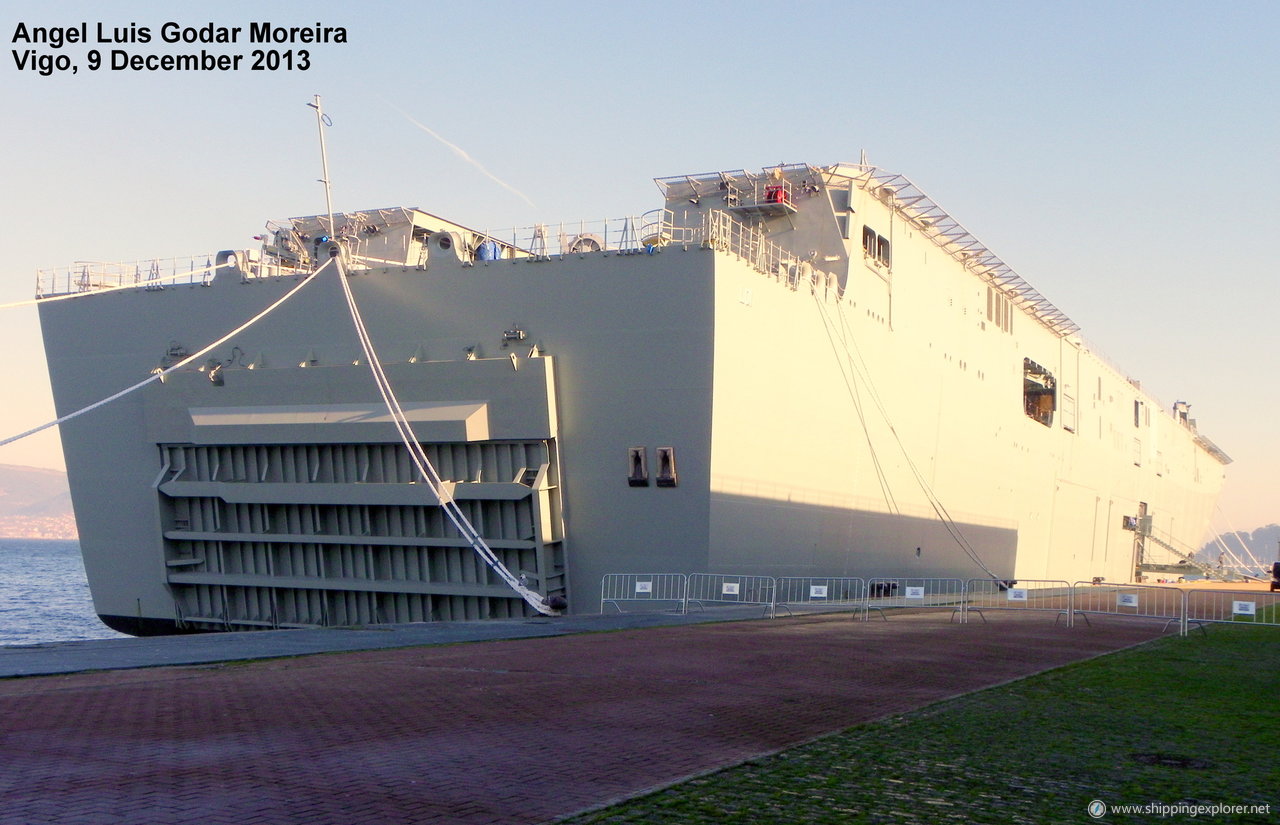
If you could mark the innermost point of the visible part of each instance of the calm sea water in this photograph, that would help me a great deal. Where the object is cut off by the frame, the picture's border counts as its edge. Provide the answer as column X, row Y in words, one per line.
column 43, row 594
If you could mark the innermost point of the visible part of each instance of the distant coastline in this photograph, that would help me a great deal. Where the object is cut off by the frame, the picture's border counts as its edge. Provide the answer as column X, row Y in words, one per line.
column 35, row 503
column 39, row 527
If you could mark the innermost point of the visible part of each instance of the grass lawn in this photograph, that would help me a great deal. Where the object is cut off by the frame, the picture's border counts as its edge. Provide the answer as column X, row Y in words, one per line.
column 1191, row 721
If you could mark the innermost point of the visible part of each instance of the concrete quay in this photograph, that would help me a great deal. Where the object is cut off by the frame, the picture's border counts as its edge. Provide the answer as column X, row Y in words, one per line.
column 482, row 722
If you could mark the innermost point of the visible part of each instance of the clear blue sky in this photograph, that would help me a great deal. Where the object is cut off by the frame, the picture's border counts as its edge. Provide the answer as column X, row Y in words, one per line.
column 1121, row 156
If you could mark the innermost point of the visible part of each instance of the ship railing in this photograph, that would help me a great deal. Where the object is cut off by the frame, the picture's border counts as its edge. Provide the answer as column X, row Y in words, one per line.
column 644, row 591
column 630, row 235
column 722, row 231
column 1049, row 595
column 157, row 273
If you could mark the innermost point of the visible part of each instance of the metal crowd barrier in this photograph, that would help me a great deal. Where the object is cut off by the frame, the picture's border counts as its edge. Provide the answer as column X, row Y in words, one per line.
column 1082, row 599
column 1248, row 606
column 885, row 592
column 727, row 588
column 1025, row 594
column 1146, row 601
column 648, row 588
column 817, row 592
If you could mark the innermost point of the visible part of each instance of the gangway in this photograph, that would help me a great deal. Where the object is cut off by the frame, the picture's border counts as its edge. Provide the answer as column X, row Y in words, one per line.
column 1208, row 571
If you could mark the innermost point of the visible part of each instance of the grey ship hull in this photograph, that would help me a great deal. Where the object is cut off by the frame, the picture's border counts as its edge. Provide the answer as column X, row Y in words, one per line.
column 279, row 495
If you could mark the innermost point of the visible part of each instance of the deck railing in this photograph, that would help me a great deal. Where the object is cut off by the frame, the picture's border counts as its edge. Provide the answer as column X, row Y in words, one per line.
column 629, row 235
column 158, row 273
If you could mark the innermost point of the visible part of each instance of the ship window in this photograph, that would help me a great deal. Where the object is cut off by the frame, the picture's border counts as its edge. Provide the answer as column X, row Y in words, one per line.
column 667, row 467
column 637, row 467
column 876, row 246
column 1039, row 392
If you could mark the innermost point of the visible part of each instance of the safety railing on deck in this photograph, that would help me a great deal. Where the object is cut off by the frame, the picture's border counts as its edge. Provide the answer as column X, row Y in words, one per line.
column 630, row 234
column 645, row 233
column 159, row 273
column 91, row 276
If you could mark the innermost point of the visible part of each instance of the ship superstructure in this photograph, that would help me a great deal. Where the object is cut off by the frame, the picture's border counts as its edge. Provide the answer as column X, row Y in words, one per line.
column 798, row 371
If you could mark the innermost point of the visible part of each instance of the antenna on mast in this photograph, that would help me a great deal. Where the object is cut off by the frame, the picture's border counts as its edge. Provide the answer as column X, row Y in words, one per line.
column 322, row 120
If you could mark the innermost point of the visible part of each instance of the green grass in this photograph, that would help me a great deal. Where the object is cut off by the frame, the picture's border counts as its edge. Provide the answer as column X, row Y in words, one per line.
column 1270, row 613
column 1194, row 720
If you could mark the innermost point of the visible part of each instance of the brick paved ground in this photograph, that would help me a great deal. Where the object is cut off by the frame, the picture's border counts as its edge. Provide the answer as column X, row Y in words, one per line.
column 519, row 731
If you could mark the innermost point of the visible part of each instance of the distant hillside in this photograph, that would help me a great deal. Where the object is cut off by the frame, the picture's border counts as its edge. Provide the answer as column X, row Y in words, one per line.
column 1262, row 542
column 35, row 503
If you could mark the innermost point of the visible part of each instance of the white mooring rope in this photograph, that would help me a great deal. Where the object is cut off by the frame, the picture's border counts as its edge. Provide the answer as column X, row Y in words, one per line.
column 159, row 374
column 416, row 453
column 860, row 371
column 424, row 466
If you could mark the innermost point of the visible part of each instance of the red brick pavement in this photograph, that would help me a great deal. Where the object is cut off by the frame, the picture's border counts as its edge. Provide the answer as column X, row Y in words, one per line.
column 520, row 731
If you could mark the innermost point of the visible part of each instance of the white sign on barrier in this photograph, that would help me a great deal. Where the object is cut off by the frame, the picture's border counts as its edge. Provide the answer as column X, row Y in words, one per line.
column 915, row 592
column 1126, row 600
column 1244, row 608
column 729, row 589
column 1018, row 594
column 644, row 587
column 817, row 591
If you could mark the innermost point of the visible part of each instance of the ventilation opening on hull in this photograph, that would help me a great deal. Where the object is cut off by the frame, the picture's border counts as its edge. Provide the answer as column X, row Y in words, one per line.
column 637, row 467
column 667, row 467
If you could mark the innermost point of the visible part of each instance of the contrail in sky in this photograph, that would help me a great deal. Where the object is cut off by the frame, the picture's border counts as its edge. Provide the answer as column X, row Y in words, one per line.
column 457, row 150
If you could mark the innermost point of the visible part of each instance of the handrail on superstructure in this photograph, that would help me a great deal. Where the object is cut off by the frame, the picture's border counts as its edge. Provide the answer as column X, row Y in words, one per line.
column 908, row 200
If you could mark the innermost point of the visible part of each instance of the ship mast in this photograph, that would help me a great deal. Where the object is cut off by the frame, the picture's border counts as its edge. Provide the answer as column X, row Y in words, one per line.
column 322, row 120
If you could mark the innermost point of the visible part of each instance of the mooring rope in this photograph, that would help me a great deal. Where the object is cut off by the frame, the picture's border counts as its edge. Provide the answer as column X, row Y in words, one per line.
column 160, row 374
column 424, row 466
column 860, row 371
